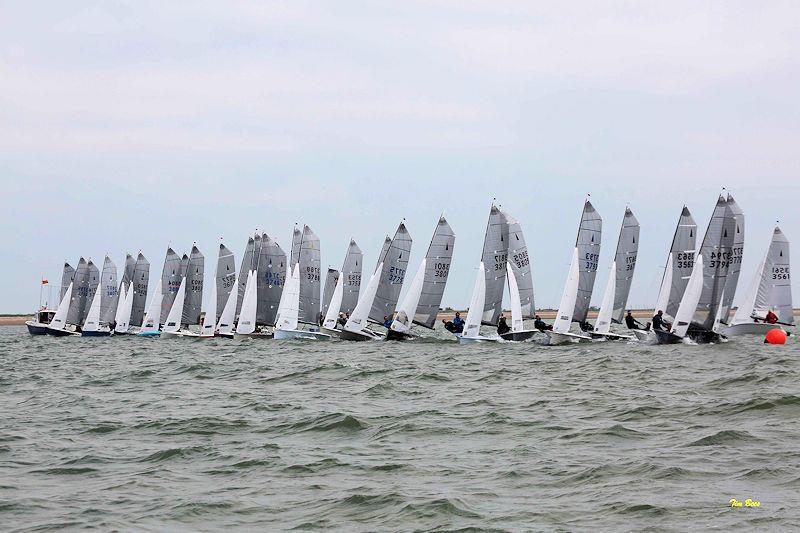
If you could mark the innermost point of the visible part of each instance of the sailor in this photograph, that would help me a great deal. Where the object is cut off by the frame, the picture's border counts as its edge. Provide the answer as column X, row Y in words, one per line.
column 771, row 318
column 342, row 320
column 448, row 325
column 387, row 322
column 631, row 322
column 540, row 324
column 458, row 323
column 659, row 323
column 502, row 326
column 585, row 326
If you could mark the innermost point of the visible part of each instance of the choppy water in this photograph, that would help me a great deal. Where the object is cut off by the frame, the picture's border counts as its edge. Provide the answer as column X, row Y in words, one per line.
column 143, row 433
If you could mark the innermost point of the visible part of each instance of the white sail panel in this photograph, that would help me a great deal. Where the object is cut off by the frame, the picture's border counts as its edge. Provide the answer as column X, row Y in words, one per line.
column 405, row 313
column 59, row 320
column 568, row 297
column 332, row 315
column 604, row 317
column 513, row 294
column 331, row 280
column 691, row 297
column 152, row 317
column 228, row 315
column 247, row 317
column 92, row 322
column 358, row 318
column 246, row 266
column 472, row 326
column 124, row 316
column 209, row 323
column 289, row 310
column 174, row 317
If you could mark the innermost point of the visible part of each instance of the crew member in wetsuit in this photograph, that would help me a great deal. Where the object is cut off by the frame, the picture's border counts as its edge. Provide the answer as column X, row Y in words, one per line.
column 458, row 323
column 502, row 326
column 540, row 324
column 771, row 318
column 342, row 320
column 631, row 322
column 448, row 325
column 387, row 322
column 659, row 323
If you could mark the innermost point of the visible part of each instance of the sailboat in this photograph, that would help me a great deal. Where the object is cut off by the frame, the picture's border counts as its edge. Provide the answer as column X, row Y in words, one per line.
column 267, row 262
column 574, row 306
column 73, row 303
column 152, row 318
column 382, row 290
column 44, row 316
column 331, row 280
column 173, row 325
column 171, row 275
column 225, row 325
column 287, row 327
column 124, row 310
column 770, row 290
column 618, row 286
column 472, row 326
column 104, row 304
column 421, row 303
column 345, row 292
column 714, row 258
column 520, row 282
column 246, row 326
column 139, row 283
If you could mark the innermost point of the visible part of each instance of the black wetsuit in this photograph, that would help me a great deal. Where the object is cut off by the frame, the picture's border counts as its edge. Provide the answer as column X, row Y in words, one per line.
column 541, row 325
column 502, row 327
column 659, row 323
column 632, row 322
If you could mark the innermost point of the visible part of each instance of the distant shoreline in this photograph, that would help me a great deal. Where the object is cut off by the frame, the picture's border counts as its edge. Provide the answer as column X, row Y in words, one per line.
column 546, row 314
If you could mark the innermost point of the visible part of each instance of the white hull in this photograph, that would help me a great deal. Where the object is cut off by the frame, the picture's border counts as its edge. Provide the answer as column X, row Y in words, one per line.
column 299, row 334
column 750, row 329
column 612, row 336
column 192, row 335
column 171, row 334
column 475, row 340
column 644, row 335
column 554, row 339
column 331, row 332
column 245, row 336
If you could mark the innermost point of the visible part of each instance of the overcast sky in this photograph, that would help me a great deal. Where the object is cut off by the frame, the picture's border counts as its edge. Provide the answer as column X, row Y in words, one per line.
column 125, row 126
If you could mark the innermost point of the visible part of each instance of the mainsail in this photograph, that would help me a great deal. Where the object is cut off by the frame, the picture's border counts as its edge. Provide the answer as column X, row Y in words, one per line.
column 351, row 273
column 588, row 244
column 80, row 290
column 735, row 262
column 224, row 278
column 569, row 296
column 472, row 327
column 66, row 280
column 109, row 295
column 495, row 255
column 680, row 262
column 437, row 270
column 246, row 267
column 771, row 289
column 297, row 239
column 716, row 252
column 170, row 282
column 331, row 280
column 193, row 300
column 141, row 278
column 395, row 263
column 271, row 278
column 288, row 310
column 625, row 263
column 310, row 262
column 521, row 266
column 130, row 266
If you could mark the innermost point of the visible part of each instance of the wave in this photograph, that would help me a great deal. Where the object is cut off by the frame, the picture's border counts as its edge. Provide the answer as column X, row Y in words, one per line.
column 723, row 437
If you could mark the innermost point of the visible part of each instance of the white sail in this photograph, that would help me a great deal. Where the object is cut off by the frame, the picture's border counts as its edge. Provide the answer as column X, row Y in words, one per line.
column 92, row 322
column 691, row 297
column 746, row 309
column 472, row 327
column 174, row 317
column 123, row 293
column 408, row 308
column 603, row 322
column 124, row 316
column 570, row 295
column 226, row 318
column 247, row 316
column 153, row 315
column 289, row 309
column 335, row 304
column 516, row 303
column 358, row 318
column 666, row 286
column 59, row 320
column 209, row 323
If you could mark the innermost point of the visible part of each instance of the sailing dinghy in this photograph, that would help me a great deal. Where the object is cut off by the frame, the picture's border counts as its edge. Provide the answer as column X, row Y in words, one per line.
column 289, row 312
column 152, row 318
column 421, row 303
column 770, row 290
column 345, row 292
column 615, row 297
column 355, row 329
column 104, row 304
column 71, row 310
column 472, row 326
column 574, row 306
column 520, row 282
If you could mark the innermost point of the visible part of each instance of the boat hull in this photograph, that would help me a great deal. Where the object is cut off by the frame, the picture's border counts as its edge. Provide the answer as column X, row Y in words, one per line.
column 519, row 336
column 346, row 335
column 612, row 336
column 555, row 338
column 331, row 332
column 299, row 334
column 170, row 334
column 254, row 336
column 62, row 333
column 149, row 334
column 665, row 337
column 224, row 335
column 476, row 340
column 753, row 328
column 392, row 335
column 36, row 328
column 95, row 333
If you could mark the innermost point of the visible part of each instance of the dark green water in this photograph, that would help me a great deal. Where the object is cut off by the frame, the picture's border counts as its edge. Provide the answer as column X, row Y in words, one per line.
column 128, row 433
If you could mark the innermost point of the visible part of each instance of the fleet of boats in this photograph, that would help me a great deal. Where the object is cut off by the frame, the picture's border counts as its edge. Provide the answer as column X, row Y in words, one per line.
column 287, row 297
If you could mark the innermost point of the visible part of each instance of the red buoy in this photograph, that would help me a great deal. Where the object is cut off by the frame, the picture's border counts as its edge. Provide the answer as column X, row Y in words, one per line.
column 775, row 336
